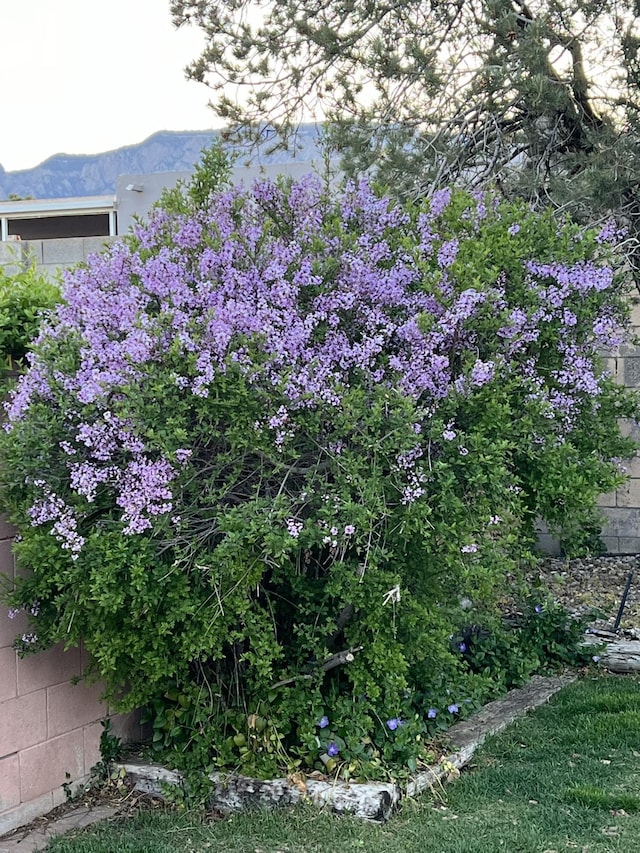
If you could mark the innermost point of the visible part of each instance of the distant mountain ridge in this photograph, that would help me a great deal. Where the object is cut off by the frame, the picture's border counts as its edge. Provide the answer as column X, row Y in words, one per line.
column 68, row 175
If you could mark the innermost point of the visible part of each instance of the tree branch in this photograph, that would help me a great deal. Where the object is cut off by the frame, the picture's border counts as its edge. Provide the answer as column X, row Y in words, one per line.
column 339, row 659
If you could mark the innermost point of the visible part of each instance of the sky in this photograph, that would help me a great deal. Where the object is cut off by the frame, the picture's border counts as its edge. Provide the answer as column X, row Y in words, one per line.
column 86, row 76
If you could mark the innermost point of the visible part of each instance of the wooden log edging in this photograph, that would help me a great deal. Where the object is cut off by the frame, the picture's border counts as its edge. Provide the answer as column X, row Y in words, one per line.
column 233, row 792
column 616, row 655
column 374, row 801
column 622, row 657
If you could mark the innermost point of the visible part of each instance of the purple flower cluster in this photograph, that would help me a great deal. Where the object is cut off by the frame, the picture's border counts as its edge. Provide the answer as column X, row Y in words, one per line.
column 51, row 508
column 610, row 233
column 304, row 315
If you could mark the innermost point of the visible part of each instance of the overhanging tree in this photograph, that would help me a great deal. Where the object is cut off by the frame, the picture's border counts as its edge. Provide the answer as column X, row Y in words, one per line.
column 539, row 98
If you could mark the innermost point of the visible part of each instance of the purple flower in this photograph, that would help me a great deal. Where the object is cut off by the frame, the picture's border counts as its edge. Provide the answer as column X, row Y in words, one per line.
column 482, row 372
column 439, row 202
column 394, row 723
column 595, row 658
column 432, row 713
column 610, row 233
column 13, row 612
column 349, row 530
column 513, row 229
column 294, row 527
column 463, row 647
column 447, row 253
column 453, row 708
column 323, row 722
column 332, row 750
column 538, row 608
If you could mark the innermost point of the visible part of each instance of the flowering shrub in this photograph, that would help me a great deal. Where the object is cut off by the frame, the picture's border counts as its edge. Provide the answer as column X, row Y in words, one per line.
column 265, row 447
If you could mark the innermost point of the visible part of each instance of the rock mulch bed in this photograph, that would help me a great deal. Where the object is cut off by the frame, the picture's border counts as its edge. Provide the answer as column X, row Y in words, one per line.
column 374, row 801
column 593, row 588
column 593, row 583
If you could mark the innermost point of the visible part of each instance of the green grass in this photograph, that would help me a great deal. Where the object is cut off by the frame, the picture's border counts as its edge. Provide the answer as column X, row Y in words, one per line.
column 567, row 777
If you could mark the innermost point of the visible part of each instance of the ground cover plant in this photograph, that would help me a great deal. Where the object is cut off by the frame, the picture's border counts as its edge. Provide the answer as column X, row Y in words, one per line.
column 278, row 457
column 566, row 777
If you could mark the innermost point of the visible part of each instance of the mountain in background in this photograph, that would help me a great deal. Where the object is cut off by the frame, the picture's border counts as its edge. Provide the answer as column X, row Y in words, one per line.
column 67, row 175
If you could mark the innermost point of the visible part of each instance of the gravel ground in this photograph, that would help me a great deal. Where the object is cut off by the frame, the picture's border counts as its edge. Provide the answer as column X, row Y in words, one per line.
column 594, row 583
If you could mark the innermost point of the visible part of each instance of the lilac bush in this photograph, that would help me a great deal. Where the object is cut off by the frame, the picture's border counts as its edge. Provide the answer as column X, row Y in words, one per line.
column 265, row 445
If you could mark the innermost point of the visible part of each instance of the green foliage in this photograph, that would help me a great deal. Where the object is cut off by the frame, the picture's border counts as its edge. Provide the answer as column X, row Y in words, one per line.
column 543, row 637
column 211, row 174
column 498, row 653
column 110, row 744
column 553, row 635
column 24, row 298
column 104, row 771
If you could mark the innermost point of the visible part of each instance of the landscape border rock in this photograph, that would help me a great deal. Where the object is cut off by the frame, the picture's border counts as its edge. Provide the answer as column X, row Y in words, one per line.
column 374, row 801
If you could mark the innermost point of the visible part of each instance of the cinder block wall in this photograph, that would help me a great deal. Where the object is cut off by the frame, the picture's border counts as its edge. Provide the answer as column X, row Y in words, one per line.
column 621, row 533
column 50, row 256
column 49, row 726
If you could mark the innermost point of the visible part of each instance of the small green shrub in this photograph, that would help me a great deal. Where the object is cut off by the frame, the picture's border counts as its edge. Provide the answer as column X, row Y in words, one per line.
column 543, row 637
column 24, row 299
column 553, row 635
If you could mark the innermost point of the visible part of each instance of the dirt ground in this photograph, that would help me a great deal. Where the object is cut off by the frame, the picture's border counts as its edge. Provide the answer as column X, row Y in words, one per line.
column 594, row 584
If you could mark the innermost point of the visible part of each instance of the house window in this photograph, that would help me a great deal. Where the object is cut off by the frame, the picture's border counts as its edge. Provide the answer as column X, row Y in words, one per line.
column 51, row 227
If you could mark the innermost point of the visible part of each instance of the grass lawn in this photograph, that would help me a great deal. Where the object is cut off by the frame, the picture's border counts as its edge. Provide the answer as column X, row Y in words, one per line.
column 567, row 777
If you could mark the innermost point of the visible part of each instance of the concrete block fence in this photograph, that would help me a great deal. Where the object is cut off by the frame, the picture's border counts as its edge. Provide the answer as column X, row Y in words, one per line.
column 50, row 256
column 621, row 532
column 50, row 726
